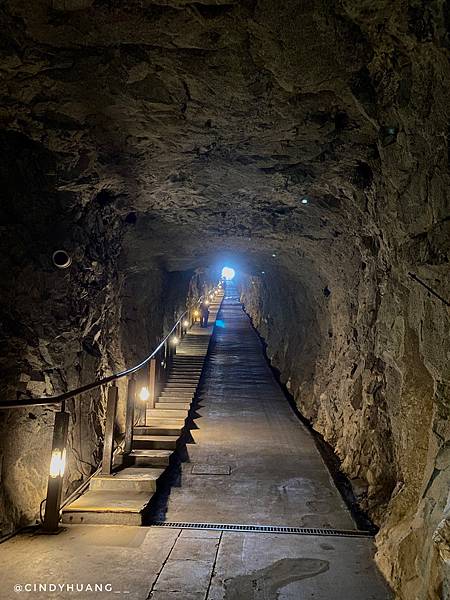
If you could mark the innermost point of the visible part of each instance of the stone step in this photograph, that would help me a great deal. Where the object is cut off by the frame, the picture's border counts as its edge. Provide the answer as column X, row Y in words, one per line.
column 173, row 405
column 181, row 401
column 194, row 362
column 183, row 382
column 179, row 386
column 188, row 345
column 162, row 427
column 176, row 398
column 164, row 413
column 177, row 394
column 187, row 374
column 163, row 442
column 132, row 479
column 107, row 507
column 188, row 361
column 148, row 458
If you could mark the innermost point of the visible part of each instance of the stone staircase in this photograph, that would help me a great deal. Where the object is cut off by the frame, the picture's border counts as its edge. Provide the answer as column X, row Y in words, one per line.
column 122, row 497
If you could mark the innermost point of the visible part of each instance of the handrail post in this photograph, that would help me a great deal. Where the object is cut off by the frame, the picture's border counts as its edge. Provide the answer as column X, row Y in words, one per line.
column 152, row 383
column 129, row 415
column 108, row 442
column 175, row 342
column 161, row 371
column 167, row 357
column 56, row 475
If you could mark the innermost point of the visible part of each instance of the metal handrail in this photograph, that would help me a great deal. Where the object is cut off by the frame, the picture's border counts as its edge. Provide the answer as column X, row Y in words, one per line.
column 55, row 480
column 93, row 385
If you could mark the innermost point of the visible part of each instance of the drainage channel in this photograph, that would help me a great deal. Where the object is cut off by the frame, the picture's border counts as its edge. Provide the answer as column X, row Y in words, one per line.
column 265, row 529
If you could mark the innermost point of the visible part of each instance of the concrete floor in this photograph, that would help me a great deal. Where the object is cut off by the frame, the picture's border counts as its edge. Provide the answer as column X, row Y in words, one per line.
column 246, row 428
column 169, row 564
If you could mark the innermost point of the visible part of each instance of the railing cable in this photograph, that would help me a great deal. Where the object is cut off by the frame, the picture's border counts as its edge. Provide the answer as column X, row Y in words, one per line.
column 22, row 403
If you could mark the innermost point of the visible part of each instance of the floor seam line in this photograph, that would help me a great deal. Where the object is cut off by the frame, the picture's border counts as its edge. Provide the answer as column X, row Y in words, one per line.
column 213, row 566
column 163, row 565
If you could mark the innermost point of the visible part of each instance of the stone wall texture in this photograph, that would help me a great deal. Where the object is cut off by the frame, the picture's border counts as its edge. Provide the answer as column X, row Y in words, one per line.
column 366, row 360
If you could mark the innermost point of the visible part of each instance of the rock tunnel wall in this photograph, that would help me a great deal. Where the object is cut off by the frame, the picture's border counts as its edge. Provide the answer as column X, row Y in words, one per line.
column 364, row 350
column 62, row 328
column 95, row 340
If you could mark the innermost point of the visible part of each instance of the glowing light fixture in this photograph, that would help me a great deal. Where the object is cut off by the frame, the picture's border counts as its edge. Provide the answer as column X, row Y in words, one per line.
column 175, row 340
column 144, row 394
column 228, row 273
column 305, row 200
column 185, row 323
column 274, row 255
column 57, row 463
column 196, row 313
column 206, row 302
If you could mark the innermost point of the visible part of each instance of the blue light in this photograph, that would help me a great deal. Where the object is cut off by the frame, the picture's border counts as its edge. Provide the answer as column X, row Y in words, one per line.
column 220, row 323
column 228, row 273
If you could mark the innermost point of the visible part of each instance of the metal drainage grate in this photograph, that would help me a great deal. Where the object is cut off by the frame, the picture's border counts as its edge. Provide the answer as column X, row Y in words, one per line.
column 265, row 529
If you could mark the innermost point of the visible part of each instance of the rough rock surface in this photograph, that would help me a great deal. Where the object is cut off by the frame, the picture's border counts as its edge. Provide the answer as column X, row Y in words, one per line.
column 148, row 137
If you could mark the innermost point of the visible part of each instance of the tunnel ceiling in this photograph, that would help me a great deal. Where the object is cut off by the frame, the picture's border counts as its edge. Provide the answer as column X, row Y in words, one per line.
column 205, row 124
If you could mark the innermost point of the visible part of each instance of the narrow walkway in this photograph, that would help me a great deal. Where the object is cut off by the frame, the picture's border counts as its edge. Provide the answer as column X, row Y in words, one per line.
column 250, row 461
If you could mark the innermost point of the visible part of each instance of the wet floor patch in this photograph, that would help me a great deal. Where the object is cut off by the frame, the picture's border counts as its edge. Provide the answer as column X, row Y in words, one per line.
column 266, row 583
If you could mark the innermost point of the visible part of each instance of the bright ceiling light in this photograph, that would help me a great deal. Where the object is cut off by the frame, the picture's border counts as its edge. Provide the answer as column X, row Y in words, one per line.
column 228, row 273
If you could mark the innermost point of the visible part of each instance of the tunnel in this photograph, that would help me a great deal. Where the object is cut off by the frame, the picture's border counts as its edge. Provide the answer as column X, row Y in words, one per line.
column 240, row 206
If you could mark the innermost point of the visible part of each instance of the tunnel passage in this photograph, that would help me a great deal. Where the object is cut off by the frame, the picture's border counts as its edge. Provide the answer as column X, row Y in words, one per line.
column 305, row 143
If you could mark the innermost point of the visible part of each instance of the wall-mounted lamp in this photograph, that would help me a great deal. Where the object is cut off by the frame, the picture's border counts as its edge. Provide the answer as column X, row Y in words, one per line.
column 57, row 463
column 305, row 200
column 185, row 323
column 175, row 340
column 144, row 394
